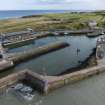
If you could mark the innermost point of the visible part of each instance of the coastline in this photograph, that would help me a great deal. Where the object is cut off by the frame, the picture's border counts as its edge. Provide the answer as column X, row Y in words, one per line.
column 26, row 13
column 51, row 21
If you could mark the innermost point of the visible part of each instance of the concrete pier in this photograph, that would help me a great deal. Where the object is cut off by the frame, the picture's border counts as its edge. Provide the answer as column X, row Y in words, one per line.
column 35, row 52
column 11, row 59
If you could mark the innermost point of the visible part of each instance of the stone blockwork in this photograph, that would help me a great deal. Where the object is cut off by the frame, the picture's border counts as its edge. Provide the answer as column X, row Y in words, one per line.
column 46, row 84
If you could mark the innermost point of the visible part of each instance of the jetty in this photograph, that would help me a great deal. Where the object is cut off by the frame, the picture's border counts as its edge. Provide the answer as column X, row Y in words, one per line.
column 36, row 52
column 11, row 59
column 87, row 32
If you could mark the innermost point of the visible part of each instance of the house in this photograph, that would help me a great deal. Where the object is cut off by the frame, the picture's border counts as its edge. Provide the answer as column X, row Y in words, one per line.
column 16, row 35
column 92, row 24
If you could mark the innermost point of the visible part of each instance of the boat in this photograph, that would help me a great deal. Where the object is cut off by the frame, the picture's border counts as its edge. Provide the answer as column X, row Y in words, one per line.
column 26, row 89
column 26, row 92
column 66, row 33
column 18, row 86
column 28, row 97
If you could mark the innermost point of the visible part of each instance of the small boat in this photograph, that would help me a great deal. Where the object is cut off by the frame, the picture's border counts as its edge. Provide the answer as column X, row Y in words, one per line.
column 65, row 33
column 26, row 89
column 28, row 97
column 94, row 34
column 56, row 33
column 18, row 86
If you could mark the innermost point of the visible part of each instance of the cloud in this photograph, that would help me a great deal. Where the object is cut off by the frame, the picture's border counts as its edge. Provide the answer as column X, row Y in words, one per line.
column 52, row 4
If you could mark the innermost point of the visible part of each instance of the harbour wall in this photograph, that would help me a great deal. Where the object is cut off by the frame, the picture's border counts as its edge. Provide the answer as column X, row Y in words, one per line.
column 15, row 41
column 18, row 43
column 60, row 81
column 11, row 79
column 46, row 84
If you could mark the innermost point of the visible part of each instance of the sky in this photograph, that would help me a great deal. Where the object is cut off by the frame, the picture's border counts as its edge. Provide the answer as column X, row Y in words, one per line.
column 52, row 4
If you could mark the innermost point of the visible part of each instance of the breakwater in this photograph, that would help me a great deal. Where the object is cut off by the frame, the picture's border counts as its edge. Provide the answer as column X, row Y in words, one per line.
column 35, row 52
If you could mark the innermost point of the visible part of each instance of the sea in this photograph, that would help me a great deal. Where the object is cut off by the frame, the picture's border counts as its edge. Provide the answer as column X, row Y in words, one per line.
column 5, row 14
column 19, row 13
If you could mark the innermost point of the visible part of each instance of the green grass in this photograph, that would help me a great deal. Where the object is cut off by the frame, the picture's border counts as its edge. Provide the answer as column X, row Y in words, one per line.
column 52, row 21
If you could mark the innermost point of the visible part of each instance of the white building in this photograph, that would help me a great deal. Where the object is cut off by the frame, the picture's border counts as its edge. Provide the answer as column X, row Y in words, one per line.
column 92, row 24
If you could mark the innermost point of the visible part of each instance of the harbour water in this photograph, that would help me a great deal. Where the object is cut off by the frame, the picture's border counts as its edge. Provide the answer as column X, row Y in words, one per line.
column 20, row 13
column 57, row 62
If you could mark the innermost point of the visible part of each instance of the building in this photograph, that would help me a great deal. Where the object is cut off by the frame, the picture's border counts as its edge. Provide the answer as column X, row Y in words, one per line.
column 92, row 24
column 6, row 37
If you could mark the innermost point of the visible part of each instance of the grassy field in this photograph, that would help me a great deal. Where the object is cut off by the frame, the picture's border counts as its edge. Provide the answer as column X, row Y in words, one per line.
column 52, row 21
